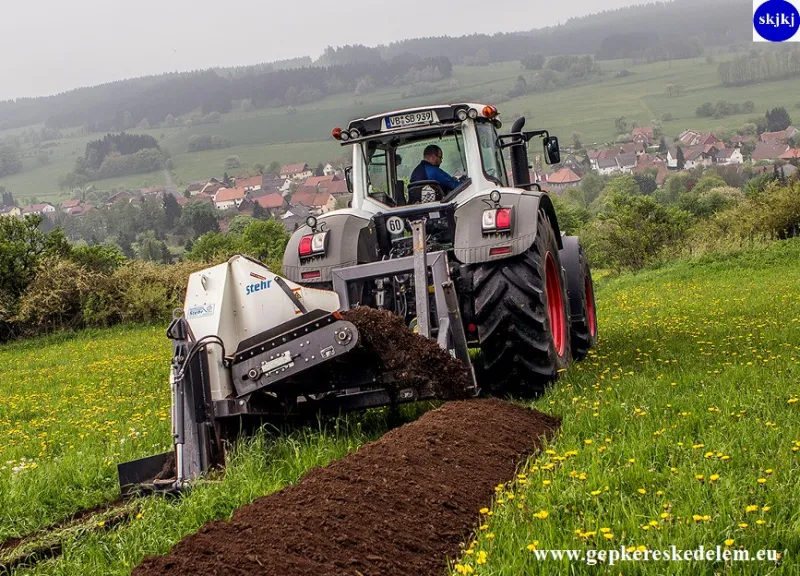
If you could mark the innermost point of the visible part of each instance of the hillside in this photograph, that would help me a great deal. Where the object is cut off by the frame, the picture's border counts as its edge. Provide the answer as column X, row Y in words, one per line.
column 687, row 411
column 270, row 134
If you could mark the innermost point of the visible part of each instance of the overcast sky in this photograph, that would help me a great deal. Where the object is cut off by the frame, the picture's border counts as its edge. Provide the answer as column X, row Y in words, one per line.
column 51, row 46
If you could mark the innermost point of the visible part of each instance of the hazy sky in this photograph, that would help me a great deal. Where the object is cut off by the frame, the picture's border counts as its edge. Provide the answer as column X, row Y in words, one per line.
column 51, row 46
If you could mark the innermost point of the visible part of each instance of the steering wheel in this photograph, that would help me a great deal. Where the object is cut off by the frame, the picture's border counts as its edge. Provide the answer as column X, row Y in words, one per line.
column 415, row 190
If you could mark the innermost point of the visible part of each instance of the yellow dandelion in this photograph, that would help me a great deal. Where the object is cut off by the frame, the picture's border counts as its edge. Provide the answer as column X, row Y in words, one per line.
column 605, row 530
column 729, row 542
column 766, row 508
column 743, row 524
column 762, row 480
column 533, row 546
column 761, row 522
column 542, row 515
column 642, row 491
column 699, row 477
column 587, row 441
column 714, row 477
column 751, row 508
column 768, row 471
column 595, row 492
column 483, row 510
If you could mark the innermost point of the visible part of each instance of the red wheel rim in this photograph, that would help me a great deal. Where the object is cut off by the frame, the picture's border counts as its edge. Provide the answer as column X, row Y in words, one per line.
column 555, row 303
column 590, row 307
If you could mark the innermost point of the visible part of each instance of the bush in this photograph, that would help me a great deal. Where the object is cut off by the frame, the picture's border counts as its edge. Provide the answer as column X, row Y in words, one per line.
column 54, row 300
column 633, row 232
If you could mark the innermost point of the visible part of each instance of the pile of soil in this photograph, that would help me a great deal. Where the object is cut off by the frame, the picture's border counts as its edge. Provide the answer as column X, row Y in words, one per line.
column 399, row 505
column 408, row 359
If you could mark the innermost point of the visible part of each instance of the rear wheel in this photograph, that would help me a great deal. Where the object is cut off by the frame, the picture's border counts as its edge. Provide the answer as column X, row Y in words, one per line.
column 522, row 316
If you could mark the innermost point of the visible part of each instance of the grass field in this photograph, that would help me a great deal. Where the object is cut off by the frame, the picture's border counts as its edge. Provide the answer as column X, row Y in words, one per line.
column 682, row 428
column 266, row 135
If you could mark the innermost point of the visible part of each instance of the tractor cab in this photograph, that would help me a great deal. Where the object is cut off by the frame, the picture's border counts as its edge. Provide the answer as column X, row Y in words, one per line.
column 426, row 155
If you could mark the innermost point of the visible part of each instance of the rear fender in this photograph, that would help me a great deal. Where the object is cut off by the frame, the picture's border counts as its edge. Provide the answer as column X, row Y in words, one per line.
column 472, row 246
column 351, row 240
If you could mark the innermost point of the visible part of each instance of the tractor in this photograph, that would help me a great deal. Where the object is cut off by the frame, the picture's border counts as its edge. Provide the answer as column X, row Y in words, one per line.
column 480, row 267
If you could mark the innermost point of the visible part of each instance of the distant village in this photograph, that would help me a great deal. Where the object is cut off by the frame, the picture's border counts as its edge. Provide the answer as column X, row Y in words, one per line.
column 698, row 149
column 290, row 196
column 297, row 192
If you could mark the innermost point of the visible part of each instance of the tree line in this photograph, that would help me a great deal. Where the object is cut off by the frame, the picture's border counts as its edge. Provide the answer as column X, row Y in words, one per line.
column 756, row 66
column 669, row 27
column 119, row 106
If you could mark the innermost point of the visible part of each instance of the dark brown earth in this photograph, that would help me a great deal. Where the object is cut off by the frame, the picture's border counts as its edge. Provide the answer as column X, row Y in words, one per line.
column 399, row 505
column 409, row 359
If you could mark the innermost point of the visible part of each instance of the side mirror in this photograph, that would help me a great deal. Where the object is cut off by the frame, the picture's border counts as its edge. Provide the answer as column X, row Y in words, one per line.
column 551, row 150
column 347, row 178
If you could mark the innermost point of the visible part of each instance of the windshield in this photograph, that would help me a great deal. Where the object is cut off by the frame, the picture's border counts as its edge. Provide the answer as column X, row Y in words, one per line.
column 491, row 156
column 392, row 166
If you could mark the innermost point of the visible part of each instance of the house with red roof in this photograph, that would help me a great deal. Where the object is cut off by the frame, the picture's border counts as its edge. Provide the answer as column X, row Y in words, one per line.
column 271, row 201
column 562, row 179
column 791, row 154
column 318, row 202
column 80, row 210
column 769, row 151
column 251, row 184
column 227, row 198
column 43, row 209
column 779, row 137
column 296, row 171
column 69, row 204
column 335, row 188
column 643, row 134
column 317, row 180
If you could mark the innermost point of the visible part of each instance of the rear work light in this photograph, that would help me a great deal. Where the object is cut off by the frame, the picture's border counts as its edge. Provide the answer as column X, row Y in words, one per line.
column 313, row 245
column 496, row 220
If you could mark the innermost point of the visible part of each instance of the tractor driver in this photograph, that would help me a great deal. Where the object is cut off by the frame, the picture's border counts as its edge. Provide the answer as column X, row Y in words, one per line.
column 429, row 169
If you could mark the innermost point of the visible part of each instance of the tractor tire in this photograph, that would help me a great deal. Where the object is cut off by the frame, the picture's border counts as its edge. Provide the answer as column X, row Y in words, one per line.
column 522, row 316
column 583, row 330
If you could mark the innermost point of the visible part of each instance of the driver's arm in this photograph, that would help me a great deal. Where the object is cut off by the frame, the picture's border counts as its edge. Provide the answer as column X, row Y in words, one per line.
column 448, row 182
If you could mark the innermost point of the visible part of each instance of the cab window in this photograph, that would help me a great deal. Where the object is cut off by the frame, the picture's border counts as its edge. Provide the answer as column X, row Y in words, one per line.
column 494, row 166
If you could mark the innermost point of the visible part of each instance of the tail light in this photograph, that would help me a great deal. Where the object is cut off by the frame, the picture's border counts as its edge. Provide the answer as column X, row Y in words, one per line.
column 313, row 245
column 496, row 220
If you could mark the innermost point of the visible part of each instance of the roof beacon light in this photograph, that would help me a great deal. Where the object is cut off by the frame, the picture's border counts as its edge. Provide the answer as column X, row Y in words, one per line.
column 337, row 133
column 490, row 112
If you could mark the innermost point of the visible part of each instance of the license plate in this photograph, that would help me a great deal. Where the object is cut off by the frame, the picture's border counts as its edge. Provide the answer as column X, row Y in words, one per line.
column 411, row 119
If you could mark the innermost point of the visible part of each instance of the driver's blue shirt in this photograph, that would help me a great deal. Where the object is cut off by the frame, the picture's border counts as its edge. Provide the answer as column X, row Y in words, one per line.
column 427, row 171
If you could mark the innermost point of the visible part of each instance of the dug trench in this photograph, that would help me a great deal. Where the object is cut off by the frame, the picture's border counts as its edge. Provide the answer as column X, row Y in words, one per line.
column 402, row 504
